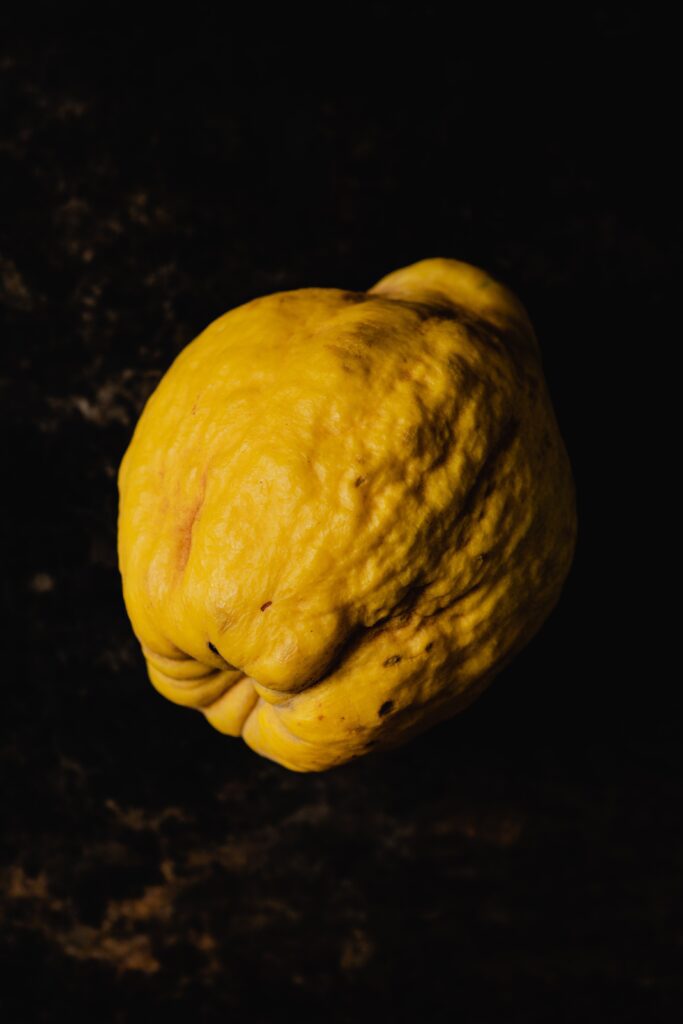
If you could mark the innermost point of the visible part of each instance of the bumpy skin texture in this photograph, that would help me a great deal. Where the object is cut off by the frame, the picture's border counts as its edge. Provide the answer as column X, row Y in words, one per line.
column 341, row 513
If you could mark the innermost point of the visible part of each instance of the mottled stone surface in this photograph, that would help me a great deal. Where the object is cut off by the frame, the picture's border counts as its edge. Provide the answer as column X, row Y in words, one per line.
column 520, row 863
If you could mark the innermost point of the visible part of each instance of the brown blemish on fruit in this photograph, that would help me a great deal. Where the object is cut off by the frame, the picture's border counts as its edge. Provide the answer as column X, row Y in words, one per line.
column 429, row 647
column 385, row 708
column 393, row 660
column 343, row 354
column 368, row 333
column 359, row 481
column 212, row 648
column 265, row 605
column 185, row 527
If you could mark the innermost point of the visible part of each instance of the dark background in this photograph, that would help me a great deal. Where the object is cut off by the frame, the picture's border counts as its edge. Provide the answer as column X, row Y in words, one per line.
column 519, row 863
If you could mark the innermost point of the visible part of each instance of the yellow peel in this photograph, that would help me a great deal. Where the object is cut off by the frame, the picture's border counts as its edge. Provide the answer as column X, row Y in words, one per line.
column 341, row 513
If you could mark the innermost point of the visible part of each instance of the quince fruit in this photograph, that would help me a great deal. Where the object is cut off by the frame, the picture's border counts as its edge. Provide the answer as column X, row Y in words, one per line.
column 343, row 512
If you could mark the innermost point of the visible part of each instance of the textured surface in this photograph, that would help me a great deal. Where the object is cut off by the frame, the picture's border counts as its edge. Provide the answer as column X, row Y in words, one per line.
column 342, row 513
column 520, row 863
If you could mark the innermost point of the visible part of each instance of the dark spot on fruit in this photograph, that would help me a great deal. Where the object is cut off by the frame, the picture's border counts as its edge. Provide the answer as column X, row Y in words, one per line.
column 368, row 333
column 267, row 604
column 359, row 480
column 320, row 718
column 429, row 647
column 393, row 660
column 386, row 708
column 227, row 665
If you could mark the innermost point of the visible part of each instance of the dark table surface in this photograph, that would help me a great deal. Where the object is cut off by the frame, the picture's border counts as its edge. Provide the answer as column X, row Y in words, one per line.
column 519, row 863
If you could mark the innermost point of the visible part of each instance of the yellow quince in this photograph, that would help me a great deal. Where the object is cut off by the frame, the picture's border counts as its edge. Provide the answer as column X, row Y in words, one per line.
column 342, row 512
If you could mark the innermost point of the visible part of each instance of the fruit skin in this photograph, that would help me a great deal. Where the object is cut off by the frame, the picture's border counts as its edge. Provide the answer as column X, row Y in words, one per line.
column 342, row 513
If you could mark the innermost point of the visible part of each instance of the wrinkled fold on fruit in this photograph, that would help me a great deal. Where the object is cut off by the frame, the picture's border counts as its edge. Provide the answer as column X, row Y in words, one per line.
column 342, row 513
